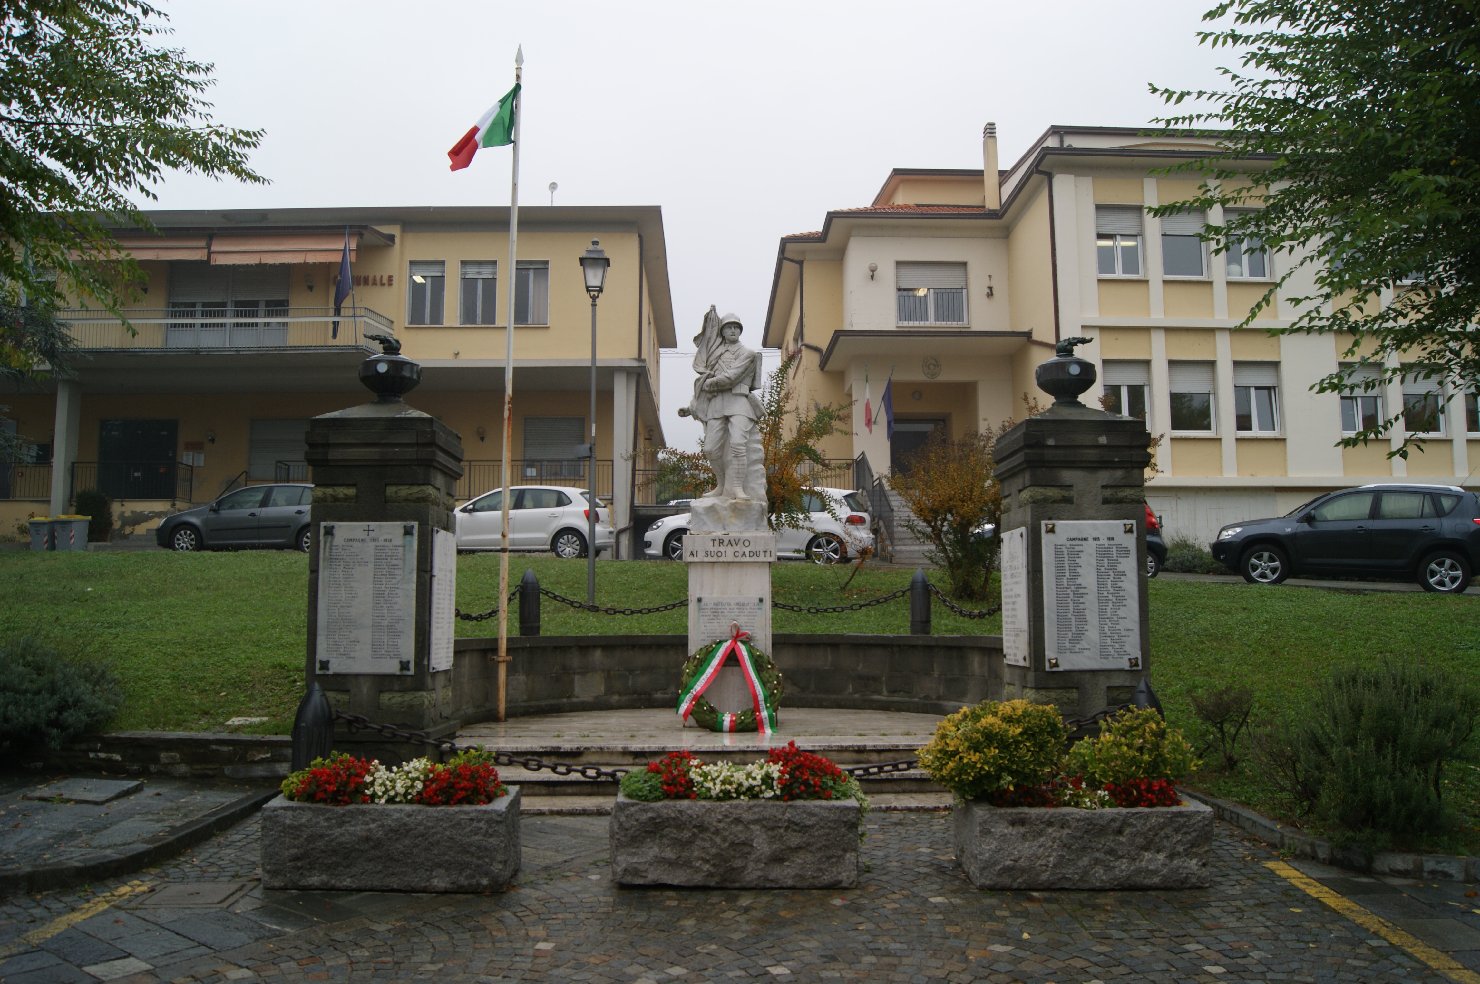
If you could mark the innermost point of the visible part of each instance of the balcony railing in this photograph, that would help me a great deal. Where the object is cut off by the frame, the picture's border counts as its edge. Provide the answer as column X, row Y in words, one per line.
column 270, row 329
column 484, row 476
column 25, row 480
column 166, row 479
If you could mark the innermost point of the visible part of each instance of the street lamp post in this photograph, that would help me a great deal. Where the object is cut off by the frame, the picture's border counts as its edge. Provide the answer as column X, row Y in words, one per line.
column 593, row 267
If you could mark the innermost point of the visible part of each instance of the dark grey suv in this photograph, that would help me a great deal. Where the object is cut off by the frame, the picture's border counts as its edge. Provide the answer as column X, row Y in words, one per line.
column 1429, row 533
column 255, row 516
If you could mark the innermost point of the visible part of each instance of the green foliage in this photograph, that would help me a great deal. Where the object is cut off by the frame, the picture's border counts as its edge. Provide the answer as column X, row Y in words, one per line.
column 1187, row 556
column 995, row 746
column 47, row 699
column 1135, row 744
column 98, row 508
column 1351, row 138
column 96, row 114
column 790, row 435
column 1368, row 752
column 951, row 489
column 1224, row 715
column 644, row 786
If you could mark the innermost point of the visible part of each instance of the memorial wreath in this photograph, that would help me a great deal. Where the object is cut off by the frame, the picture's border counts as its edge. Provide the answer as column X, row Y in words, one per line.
column 762, row 680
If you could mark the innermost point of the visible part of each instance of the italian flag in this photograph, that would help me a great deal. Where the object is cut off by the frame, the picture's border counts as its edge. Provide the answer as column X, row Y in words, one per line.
column 495, row 128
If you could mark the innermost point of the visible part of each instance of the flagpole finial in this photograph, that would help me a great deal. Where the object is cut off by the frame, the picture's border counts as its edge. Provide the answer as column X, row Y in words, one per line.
column 519, row 57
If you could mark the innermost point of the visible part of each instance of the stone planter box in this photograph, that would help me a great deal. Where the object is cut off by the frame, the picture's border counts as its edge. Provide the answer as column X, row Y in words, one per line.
column 736, row 843
column 1037, row 848
column 391, row 848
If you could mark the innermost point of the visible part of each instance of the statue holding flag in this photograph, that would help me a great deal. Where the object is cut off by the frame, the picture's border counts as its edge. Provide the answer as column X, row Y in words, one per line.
column 726, row 376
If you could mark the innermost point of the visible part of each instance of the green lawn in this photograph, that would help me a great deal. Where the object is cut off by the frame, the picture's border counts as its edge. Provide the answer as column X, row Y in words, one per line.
column 199, row 638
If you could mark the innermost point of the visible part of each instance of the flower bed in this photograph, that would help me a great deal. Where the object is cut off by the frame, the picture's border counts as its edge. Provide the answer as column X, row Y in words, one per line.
column 353, row 824
column 792, row 821
column 1103, row 815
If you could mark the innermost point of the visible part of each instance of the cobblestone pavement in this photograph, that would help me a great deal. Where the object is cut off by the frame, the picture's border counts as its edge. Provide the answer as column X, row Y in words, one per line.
column 203, row 917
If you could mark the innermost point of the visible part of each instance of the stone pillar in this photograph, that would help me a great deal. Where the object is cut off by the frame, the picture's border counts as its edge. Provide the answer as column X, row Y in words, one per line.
column 64, row 445
column 1075, row 631
column 384, row 478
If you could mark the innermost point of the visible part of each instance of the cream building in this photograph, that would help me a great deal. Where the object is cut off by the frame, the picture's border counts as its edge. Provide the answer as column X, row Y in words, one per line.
column 957, row 283
column 234, row 346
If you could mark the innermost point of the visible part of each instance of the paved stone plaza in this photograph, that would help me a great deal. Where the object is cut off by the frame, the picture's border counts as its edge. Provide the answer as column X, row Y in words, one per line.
column 913, row 917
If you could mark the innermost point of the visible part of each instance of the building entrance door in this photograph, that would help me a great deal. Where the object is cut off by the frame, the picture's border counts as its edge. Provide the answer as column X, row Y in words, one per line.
column 136, row 459
column 909, row 436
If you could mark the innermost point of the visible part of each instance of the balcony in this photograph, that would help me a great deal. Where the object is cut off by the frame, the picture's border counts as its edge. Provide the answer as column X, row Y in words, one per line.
column 253, row 328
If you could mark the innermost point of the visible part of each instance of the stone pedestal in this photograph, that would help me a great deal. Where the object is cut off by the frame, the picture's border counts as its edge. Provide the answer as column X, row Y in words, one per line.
column 1075, row 630
column 730, row 581
column 384, row 478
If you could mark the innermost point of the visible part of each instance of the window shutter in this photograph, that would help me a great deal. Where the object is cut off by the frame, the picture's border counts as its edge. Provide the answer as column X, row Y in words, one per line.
column 261, row 282
column 1126, row 374
column 1124, row 220
column 1188, row 223
column 553, row 438
column 272, row 441
column 1190, row 377
column 191, row 282
column 936, row 275
column 479, row 269
column 1361, row 373
column 1256, row 374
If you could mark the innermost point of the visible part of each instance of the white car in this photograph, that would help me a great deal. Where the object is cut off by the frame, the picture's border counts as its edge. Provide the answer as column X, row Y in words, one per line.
column 541, row 517
column 821, row 538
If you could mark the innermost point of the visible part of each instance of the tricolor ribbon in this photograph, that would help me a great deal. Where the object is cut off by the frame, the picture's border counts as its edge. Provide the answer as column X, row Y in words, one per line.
column 765, row 717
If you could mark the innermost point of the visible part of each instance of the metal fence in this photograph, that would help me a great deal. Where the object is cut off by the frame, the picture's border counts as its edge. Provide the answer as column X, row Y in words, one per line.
column 198, row 328
column 483, row 476
column 168, row 479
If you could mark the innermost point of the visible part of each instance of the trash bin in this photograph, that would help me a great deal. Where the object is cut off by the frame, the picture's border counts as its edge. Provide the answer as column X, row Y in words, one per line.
column 41, row 537
column 70, row 532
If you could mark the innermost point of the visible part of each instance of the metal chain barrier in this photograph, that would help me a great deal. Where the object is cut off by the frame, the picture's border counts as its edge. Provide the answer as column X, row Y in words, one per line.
column 597, row 609
column 485, row 616
column 831, row 609
column 532, row 763
column 963, row 612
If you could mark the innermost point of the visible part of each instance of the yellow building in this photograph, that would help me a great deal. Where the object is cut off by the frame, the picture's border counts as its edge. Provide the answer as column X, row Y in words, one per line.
column 957, row 283
column 233, row 346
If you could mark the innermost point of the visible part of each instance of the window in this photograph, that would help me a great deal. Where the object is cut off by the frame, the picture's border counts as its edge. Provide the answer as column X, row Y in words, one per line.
column 931, row 293
column 479, row 280
column 555, row 448
column 1344, row 508
column 276, row 449
column 1182, row 247
column 1126, row 385
column 1363, row 409
column 227, row 306
column 1118, row 240
column 1246, row 257
column 532, row 293
column 1256, row 387
column 1191, row 385
column 1423, row 406
column 428, row 285
column 1472, row 412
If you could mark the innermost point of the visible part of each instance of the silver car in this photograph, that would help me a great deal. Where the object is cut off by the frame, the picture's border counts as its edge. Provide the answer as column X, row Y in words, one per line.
column 255, row 516
column 541, row 517
column 822, row 538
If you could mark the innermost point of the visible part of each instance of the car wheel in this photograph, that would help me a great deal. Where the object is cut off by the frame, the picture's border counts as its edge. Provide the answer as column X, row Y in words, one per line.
column 673, row 545
column 1265, row 564
column 824, row 548
column 1153, row 566
column 305, row 539
column 568, row 544
column 186, row 538
column 1445, row 572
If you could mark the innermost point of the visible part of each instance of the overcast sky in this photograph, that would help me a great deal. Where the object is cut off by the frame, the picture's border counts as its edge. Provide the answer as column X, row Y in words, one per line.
column 745, row 121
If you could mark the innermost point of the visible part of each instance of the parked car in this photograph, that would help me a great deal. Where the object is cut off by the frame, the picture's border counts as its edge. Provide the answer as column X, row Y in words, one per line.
column 1156, row 546
column 541, row 517
column 255, row 516
column 1430, row 533
column 821, row 538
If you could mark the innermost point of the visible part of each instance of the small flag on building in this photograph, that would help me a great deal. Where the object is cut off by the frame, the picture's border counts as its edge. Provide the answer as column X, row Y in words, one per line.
column 495, row 128
column 342, row 286
column 886, row 406
column 868, row 407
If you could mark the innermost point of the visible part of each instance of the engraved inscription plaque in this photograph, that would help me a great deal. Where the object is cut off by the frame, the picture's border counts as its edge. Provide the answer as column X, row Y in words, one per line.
column 1016, row 627
column 1091, row 595
column 729, row 548
column 367, row 598
column 717, row 612
column 443, row 601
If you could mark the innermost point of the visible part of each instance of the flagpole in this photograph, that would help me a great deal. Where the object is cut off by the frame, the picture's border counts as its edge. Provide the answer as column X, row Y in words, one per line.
column 505, row 465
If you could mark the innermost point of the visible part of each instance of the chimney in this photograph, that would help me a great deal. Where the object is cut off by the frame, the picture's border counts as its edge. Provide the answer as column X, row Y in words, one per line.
column 992, row 184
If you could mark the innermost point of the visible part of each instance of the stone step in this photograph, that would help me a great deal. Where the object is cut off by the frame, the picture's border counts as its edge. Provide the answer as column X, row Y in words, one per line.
column 601, row 805
column 846, row 751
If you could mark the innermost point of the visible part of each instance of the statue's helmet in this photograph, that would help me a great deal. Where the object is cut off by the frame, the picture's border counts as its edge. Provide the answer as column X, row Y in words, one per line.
column 730, row 319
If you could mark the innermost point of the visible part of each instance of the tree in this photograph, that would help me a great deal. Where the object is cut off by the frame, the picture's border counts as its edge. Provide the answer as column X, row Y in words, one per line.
column 92, row 114
column 1352, row 141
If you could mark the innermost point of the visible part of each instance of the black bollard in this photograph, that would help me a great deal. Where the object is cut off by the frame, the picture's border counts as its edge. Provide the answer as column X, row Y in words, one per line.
column 529, row 604
column 1144, row 697
column 919, row 603
column 313, row 728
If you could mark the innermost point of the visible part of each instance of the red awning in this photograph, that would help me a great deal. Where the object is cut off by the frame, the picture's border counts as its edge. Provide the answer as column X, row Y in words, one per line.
column 281, row 248
column 166, row 247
